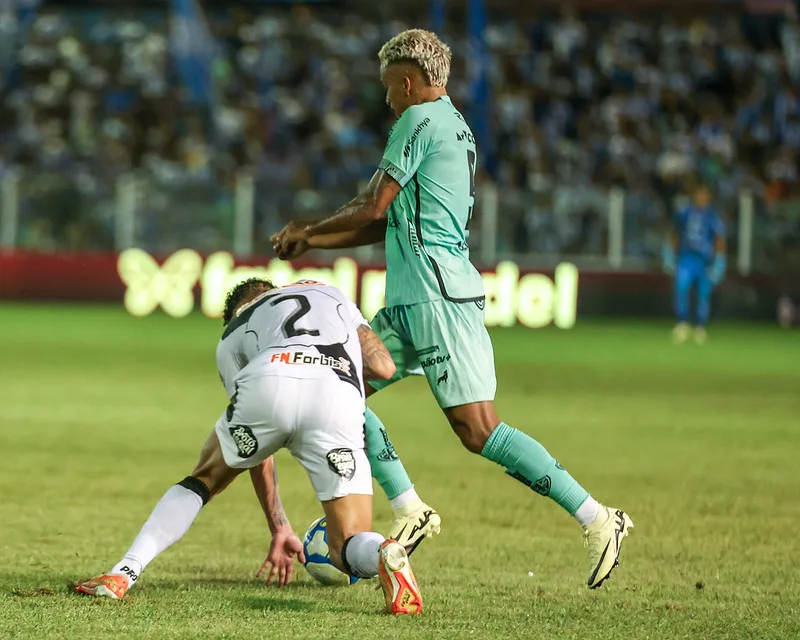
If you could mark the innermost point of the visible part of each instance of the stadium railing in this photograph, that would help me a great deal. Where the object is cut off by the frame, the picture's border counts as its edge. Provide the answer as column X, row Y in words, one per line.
column 540, row 227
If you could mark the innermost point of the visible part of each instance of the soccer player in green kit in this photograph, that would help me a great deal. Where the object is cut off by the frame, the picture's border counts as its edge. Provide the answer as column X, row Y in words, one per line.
column 420, row 202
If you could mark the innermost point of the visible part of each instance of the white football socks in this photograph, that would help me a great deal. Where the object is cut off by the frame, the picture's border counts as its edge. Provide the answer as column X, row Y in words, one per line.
column 363, row 552
column 587, row 512
column 409, row 496
column 168, row 523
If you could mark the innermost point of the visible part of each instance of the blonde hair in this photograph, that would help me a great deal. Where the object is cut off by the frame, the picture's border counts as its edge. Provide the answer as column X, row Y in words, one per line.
column 422, row 48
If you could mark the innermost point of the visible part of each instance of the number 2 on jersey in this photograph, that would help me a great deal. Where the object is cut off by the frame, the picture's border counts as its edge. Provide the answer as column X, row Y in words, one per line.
column 471, row 167
column 289, row 330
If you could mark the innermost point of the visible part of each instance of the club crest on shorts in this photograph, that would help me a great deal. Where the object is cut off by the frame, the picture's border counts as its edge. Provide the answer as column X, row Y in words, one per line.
column 245, row 441
column 342, row 462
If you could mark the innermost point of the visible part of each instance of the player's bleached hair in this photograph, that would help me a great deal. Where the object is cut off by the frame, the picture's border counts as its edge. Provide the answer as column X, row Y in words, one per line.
column 422, row 48
column 243, row 293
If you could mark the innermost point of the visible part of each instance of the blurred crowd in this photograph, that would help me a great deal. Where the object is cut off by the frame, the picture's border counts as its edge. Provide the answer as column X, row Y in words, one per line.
column 582, row 105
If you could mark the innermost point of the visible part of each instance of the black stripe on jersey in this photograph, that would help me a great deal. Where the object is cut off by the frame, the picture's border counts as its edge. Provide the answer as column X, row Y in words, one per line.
column 338, row 351
column 436, row 271
column 244, row 316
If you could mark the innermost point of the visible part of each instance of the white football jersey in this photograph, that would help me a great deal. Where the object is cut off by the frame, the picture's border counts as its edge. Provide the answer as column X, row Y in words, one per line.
column 303, row 330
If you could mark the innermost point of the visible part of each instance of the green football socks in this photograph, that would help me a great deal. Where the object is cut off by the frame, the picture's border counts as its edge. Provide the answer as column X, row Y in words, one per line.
column 531, row 464
column 385, row 463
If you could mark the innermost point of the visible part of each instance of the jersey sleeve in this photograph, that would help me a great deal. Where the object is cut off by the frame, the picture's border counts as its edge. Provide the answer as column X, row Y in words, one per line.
column 355, row 314
column 228, row 365
column 408, row 143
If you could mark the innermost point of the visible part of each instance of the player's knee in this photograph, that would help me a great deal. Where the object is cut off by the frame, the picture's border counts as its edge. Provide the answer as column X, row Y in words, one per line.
column 473, row 432
column 473, row 424
column 472, row 438
column 215, row 476
column 196, row 485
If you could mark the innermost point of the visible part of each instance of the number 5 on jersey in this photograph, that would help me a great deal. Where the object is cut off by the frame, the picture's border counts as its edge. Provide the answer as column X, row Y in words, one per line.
column 471, row 168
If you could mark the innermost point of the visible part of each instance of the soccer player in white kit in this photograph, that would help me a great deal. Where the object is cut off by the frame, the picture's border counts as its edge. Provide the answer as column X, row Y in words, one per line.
column 293, row 361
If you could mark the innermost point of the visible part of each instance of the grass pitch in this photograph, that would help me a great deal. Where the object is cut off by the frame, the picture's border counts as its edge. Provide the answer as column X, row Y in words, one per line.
column 102, row 412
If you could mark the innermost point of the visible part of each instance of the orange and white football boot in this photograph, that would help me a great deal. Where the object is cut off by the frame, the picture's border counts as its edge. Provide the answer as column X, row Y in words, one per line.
column 107, row 586
column 397, row 580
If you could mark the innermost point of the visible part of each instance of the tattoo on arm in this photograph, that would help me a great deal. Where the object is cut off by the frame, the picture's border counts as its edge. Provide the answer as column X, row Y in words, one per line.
column 265, row 483
column 378, row 363
column 373, row 233
column 361, row 211
column 274, row 501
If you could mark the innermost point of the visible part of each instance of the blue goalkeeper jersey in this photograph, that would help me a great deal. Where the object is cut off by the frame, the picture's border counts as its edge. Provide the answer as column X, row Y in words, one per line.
column 698, row 230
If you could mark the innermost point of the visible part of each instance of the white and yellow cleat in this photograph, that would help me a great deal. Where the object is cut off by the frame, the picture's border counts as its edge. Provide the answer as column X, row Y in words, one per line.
column 681, row 333
column 700, row 335
column 413, row 523
column 603, row 538
column 397, row 580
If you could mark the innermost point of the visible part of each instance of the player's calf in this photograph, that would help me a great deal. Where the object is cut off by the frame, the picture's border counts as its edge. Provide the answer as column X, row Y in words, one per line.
column 168, row 522
column 473, row 424
column 531, row 464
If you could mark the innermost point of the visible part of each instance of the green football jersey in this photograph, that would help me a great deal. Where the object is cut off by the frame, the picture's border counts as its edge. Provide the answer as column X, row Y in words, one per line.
column 431, row 154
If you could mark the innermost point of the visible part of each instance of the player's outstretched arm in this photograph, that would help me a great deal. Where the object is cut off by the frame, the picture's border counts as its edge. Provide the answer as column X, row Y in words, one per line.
column 265, row 483
column 378, row 363
column 363, row 210
column 373, row 233
column 285, row 545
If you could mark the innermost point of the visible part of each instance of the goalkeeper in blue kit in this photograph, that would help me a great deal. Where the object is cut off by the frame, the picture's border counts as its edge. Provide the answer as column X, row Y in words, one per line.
column 420, row 202
column 695, row 255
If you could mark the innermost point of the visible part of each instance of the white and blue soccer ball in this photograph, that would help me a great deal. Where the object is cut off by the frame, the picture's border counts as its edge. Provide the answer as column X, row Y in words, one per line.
column 318, row 557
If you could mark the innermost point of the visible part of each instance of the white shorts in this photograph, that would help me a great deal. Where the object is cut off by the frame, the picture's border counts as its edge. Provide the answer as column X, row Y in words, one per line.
column 319, row 420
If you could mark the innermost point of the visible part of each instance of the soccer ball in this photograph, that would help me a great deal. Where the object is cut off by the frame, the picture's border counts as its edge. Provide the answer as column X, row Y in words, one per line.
column 318, row 561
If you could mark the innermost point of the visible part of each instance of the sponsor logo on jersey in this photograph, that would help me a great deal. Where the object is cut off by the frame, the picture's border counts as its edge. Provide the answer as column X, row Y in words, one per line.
column 303, row 357
column 434, row 360
column 414, row 136
column 245, row 441
column 465, row 135
column 342, row 462
column 442, row 378
column 413, row 240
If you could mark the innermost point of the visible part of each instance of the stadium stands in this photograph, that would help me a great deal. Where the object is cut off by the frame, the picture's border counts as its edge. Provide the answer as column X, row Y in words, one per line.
column 581, row 104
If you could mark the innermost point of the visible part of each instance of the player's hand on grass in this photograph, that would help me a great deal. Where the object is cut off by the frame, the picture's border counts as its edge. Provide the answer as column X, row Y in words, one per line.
column 285, row 547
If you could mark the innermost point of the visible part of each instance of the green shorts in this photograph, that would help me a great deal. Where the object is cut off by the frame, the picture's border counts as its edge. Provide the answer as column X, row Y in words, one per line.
column 447, row 342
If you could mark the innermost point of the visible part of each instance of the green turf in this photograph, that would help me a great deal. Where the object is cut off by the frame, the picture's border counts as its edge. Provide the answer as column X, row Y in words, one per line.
column 102, row 412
